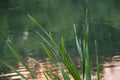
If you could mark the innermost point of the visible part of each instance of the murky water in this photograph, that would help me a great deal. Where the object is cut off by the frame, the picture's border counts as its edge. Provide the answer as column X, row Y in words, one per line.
column 20, row 31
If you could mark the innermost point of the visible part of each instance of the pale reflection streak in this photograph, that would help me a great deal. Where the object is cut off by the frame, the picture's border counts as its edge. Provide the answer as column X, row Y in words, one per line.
column 26, row 33
column 111, row 71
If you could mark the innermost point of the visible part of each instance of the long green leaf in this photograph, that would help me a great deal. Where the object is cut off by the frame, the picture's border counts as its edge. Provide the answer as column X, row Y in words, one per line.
column 51, row 45
column 14, row 70
column 82, row 56
column 38, row 24
column 72, row 69
column 78, row 43
column 64, row 74
column 63, row 51
column 44, row 39
column 21, row 60
column 49, row 53
column 54, row 44
column 69, row 64
column 45, row 74
column 97, row 62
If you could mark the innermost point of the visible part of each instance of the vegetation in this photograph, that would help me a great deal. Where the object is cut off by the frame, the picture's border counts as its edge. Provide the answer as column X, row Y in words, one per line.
column 58, row 19
column 58, row 54
column 103, row 14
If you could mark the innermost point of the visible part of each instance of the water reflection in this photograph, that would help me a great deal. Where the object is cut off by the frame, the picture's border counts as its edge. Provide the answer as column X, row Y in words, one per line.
column 26, row 33
column 111, row 70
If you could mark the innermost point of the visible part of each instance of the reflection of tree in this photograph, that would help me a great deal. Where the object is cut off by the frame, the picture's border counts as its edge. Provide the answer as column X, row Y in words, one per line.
column 3, row 28
column 58, row 16
column 4, row 4
column 111, row 72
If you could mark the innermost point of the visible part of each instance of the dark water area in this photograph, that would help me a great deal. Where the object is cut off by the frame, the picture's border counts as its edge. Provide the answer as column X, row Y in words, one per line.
column 18, row 30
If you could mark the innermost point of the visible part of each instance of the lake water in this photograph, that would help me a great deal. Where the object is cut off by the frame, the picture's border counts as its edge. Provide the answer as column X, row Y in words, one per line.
column 18, row 30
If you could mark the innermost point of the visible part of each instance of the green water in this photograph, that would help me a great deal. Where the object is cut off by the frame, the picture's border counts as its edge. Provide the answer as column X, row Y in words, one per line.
column 58, row 17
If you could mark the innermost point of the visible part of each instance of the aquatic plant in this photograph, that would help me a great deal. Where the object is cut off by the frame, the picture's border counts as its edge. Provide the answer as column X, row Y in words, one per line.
column 58, row 54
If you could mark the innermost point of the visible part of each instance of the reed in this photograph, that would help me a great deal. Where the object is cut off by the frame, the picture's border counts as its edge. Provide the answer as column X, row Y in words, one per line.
column 58, row 54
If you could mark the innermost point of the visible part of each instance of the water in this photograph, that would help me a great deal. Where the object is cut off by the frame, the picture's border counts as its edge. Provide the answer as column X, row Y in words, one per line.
column 17, row 29
column 111, row 70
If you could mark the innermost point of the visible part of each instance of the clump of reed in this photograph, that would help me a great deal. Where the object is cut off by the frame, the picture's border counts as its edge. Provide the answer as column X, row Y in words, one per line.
column 58, row 54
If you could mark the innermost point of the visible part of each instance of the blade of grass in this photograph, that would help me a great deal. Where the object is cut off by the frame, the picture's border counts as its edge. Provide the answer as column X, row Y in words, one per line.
column 87, row 60
column 56, row 77
column 97, row 62
column 55, row 51
column 32, row 59
column 52, row 45
column 69, row 64
column 51, row 75
column 6, row 77
column 21, row 60
column 72, row 69
column 44, row 39
column 63, row 51
column 78, row 44
column 46, row 76
column 56, row 48
column 64, row 74
column 49, row 53
column 13, row 69
column 38, row 24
